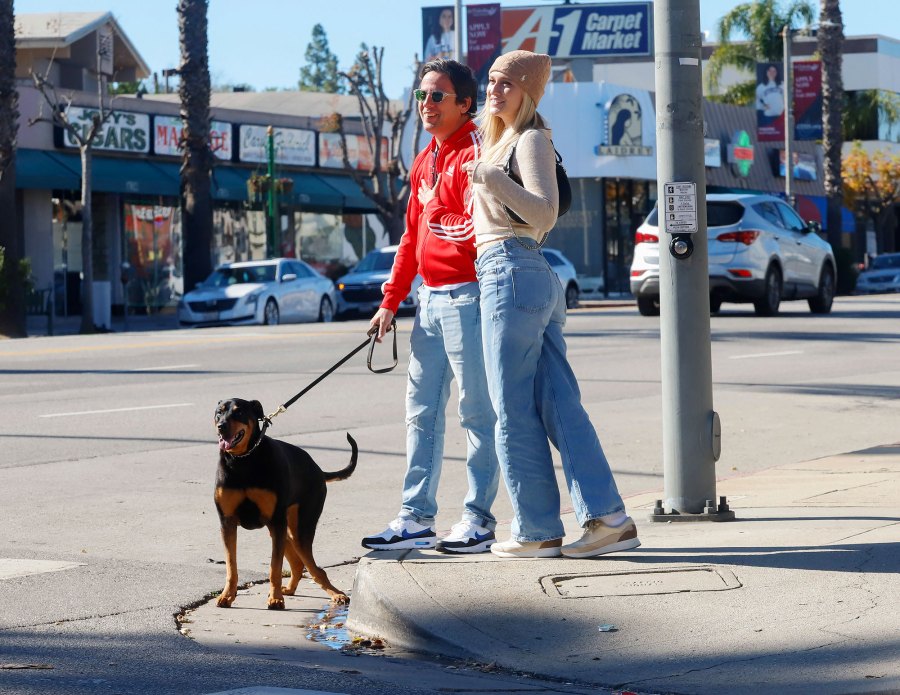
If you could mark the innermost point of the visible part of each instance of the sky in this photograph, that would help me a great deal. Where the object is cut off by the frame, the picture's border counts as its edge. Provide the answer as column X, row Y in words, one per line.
column 263, row 42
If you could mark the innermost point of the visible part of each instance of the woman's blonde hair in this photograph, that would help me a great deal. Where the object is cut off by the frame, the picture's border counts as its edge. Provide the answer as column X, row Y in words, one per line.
column 496, row 138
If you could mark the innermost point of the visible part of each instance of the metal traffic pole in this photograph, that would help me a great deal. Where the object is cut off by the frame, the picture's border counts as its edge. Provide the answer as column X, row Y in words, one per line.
column 788, row 117
column 691, row 431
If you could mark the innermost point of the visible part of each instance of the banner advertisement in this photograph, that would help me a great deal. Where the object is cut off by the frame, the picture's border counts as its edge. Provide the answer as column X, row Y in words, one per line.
column 712, row 152
column 804, row 166
column 484, row 39
column 438, row 32
column 807, row 84
column 167, row 137
column 122, row 132
column 770, row 102
column 153, row 243
column 292, row 145
column 358, row 152
column 569, row 31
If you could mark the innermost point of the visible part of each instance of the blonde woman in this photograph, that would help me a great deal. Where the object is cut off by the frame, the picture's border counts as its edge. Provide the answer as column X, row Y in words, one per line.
column 532, row 387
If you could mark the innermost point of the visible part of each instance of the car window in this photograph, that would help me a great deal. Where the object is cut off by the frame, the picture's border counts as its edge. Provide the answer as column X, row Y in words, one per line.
column 769, row 213
column 791, row 219
column 300, row 270
column 260, row 273
column 882, row 262
column 376, row 260
column 653, row 217
column 553, row 259
column 723, row 214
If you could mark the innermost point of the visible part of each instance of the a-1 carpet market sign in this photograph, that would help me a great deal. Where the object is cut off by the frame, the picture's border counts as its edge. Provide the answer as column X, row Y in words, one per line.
column 623, row 29
column 122, row 132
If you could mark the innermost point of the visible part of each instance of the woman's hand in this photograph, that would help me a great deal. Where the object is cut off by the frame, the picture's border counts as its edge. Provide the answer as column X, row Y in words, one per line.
column 469, row 168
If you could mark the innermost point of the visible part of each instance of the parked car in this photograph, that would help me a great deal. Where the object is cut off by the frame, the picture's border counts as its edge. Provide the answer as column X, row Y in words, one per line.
column 760, row 251
column 882, row 275
column 359, row 291
column 566, row 273
column 280, row 290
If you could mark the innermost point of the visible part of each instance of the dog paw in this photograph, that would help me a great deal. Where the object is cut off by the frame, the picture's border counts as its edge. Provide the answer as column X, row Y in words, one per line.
column 340, row 598
column 225, row 600
column 275, row 604
column 288, row 590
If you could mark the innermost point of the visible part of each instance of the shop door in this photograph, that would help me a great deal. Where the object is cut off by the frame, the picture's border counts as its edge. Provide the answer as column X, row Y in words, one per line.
column 627, row 202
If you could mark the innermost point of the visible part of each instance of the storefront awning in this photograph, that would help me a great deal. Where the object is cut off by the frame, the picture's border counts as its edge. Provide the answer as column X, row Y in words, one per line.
column 108, row 175
column 312, row 193
column 39, row 170
column 353, row 197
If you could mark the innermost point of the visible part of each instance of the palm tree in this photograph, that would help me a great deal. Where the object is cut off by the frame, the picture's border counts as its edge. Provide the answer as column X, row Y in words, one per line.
column 761, row 23
column 12, row 298
column 831, row 44
column 196, row 163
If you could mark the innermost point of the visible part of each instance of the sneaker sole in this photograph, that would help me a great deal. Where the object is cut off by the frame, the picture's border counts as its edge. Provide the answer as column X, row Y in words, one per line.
column 612, row 548
column 542, row 552
column 459, row 550
column 411, row 544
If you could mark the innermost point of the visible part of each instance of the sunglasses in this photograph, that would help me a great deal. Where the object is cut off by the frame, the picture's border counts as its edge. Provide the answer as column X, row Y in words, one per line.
column 436, row 96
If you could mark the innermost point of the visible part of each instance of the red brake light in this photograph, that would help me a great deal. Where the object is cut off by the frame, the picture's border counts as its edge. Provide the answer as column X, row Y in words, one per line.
column 740, row 272
column 745, row 237
column 645, row 238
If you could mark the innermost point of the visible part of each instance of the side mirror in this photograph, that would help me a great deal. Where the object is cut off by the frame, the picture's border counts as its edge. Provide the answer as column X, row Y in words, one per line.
column 813, row 226
column 288, row 277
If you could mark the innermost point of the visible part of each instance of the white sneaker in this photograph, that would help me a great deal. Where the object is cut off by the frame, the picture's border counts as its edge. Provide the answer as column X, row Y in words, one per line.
column 467, row 537
column 513, row 548
column 401, row 534
column 600, row 539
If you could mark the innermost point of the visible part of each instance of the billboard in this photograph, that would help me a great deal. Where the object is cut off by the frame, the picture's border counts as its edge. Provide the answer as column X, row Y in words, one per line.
column 168, row 131
column 438, row 32
column 770, row 102
column 807, row 76
column 804, row 168
column 483, row 40
column 292, row 145
column 573, row 31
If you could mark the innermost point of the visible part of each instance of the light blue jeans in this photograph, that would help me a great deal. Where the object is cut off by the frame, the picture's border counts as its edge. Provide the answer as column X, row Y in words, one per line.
column 446, row 344
column 536, row 396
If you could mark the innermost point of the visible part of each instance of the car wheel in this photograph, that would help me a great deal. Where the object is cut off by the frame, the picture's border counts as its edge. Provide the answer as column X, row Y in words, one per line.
column 326, row 311
column 571, row 295
column 821, row 303
column 271, row 315
column 771, row 299
column 648, row 306
column 715, row 303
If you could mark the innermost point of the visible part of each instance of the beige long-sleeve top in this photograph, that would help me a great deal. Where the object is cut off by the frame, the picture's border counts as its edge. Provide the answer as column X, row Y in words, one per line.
column 536, row 201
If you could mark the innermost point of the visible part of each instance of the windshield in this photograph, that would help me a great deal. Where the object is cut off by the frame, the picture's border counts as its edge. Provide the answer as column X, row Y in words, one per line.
column 377, row 260
column 882, row 262
column 224, row 277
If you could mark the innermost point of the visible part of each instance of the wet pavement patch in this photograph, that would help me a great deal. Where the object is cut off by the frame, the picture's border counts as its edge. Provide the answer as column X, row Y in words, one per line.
column 641, row 582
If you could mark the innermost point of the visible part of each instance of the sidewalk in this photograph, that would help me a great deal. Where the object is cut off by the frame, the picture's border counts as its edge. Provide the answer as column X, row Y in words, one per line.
column 798, row 595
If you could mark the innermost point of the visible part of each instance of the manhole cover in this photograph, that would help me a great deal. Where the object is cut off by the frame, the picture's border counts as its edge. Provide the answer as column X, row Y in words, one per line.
column 669, row 580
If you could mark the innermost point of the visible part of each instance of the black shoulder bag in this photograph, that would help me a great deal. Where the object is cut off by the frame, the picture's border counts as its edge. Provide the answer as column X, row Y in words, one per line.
column 562, row 183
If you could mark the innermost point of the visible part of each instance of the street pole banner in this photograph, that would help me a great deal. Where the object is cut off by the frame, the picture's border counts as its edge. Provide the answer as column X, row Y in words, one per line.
column 484, row 40
column 807, row 99
column 438, row 32
column 770, row 102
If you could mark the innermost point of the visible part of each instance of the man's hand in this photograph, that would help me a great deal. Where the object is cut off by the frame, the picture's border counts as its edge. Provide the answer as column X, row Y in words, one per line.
column 381, row 323
column 426, row 193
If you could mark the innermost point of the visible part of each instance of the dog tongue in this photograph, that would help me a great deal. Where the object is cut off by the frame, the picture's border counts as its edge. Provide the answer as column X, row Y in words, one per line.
column 223, row 444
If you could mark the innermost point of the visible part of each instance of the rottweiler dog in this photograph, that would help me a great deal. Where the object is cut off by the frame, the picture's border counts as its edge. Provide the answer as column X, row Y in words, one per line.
column 266, row 482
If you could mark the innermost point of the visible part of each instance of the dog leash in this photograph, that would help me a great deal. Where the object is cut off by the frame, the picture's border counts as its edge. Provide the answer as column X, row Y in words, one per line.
column 370, row 341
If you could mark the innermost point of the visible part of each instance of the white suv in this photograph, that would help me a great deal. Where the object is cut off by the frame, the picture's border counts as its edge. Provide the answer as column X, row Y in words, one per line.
column 760, row 251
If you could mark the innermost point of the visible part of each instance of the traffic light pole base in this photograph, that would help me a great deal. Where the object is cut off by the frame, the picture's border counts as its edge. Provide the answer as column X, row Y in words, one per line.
column 711, row 512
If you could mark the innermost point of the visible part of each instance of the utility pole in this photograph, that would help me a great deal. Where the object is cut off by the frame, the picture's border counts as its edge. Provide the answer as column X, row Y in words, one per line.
column 691, row 431
column 788, row 117
column 458, row 32
column 272, row 217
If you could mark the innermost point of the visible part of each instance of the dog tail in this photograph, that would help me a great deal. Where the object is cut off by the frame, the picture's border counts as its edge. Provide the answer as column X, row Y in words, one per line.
column 345, row 473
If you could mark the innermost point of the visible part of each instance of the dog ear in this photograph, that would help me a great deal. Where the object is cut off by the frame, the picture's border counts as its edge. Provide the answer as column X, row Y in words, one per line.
column 258, row 412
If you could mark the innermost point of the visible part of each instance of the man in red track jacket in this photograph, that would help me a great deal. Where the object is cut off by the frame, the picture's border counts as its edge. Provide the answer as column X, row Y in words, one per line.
column 445, row 343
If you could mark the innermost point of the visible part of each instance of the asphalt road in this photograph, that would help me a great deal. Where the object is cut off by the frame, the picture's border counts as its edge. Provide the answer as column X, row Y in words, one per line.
column 109, row 456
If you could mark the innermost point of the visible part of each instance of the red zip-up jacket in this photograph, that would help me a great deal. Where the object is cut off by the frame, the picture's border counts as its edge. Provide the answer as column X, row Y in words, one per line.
column 439, row 240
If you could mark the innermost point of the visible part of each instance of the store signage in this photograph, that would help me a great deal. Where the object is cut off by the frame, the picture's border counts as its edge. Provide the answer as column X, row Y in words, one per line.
column 740, row 153
column 167, row 131
column 712, row 152
column 567, row 31
column 623, row 129
column 359, row 153
column 122, row 132
column 292, row 145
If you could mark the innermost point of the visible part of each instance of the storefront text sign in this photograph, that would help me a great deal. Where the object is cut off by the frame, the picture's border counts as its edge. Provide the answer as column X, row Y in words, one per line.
column 292, row 145
column 624, row 128
column 122, row 132
column 167, row 137
column 622, row 29
column 740, row 153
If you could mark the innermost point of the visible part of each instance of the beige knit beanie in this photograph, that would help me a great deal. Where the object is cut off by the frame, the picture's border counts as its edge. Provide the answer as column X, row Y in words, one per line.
column 531, row 71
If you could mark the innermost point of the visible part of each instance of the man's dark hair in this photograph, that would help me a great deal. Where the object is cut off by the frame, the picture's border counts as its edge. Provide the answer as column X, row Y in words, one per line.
column 464, row 83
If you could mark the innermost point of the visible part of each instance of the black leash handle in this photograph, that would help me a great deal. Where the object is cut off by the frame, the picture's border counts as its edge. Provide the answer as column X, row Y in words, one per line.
column 370, row 341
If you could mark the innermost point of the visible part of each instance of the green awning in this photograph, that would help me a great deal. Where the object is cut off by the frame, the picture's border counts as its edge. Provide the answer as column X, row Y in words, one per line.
column 38, row 169
column 311, row 193
column 347, row 187
column 110, row 175
column 230, row 183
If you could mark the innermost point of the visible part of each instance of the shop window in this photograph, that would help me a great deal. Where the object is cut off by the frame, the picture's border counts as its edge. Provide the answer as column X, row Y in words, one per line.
column 153, row 278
